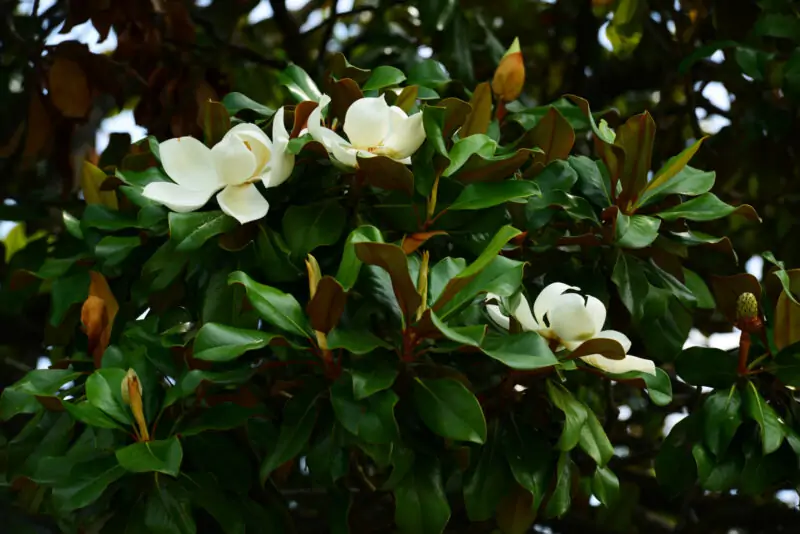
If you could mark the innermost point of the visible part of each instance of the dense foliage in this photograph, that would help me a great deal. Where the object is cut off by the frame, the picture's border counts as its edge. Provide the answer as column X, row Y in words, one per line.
column 405, row 297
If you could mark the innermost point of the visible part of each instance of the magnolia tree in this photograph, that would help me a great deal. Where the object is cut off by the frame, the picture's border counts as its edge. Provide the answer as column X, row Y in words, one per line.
column 378, row 310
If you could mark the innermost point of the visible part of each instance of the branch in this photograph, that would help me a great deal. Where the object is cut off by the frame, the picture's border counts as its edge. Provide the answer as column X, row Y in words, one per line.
column 323, row 45
column 293, row 41
column 334, row 16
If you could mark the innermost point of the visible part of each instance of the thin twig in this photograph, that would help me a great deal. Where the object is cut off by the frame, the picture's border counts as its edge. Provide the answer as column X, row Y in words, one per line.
column 323, row 45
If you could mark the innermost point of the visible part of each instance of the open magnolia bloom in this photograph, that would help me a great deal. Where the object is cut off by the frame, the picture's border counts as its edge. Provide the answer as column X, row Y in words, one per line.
column 244, row 156
column 571, row 319
column 373, row 128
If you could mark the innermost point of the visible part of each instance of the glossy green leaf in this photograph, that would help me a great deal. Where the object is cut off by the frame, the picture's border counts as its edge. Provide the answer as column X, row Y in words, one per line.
column 104, row 391
column 605, row 485
column 706, row 207
column 421, row 506
column 449, row 409
column 721, row 419
column 561, row 497
column 532, row 461
column 702, row 366
column 44, row 382
column 575, row 415
column 384, row 76
column 463, row 149
column 87, row 413
column 168, row 511
column 659, row 387
column 637, row 231
column 525, row 351
column 87, row 484
column 275, row 307
column 190, row 231
column 220, row 343
column 355, row 341
column 488, row 481
column 686, row 181
column 314, row 225
column 163, row 456
column 236, row 102
column 299, row 84
column 594, row 441
column 758, row 410
column 371, row 419
column 67, row 291
column 371, row 376
column 429, row 73
column 299, row 417
column 485, row 195
column 392, row 259
column 350, row 266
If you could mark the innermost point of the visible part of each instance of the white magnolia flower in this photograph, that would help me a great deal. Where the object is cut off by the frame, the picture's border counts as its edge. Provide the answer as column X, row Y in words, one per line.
column 244, row 156
column 373, row 128
column 570, row 319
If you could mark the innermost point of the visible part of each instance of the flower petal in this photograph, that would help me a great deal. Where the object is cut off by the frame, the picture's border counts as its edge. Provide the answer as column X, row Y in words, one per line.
column 256, row 140
column 598, row 312
column 570, row 319
column 405, row 138
column 235, row 162
column 279, row 132
column 495, row 314
column 320, row 133
column 281, row 167
column 547, row 298
column 345, row 154
column 189, row 163
column 367, row 122
column 176, row 197
column 616, row 336
column 243, row 202
column 522, row 313
column 629, row 363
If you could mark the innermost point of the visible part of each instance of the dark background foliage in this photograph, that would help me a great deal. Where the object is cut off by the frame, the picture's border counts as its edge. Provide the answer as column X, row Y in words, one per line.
column 664, row 57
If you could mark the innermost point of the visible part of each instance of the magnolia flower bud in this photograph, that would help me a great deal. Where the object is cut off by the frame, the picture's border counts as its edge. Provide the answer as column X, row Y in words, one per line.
column 509, row 77
column 746, row 306
column 129, row 383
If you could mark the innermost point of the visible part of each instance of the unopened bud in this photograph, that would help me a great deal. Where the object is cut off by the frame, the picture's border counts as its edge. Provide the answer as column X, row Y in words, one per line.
column 422, row 283
column 314, row 274
column 509, row 77
column 131, row 385
column 746, row 306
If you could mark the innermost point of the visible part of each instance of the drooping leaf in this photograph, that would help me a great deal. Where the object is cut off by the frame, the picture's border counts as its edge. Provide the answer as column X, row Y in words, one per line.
column 276, row 307
column 449, row 409
column 163, row 456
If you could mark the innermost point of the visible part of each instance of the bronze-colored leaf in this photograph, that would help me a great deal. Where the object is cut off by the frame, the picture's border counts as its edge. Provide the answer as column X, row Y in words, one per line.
column 515, row 513
column 608, row 348
column 214, row 120
column 636, row 137
column 69, row 88
column 728, row 288
column 92, row 180
column 386, row 173
column 554, row 135
column 343, row 93
column 97, row 315
column 407, row 98
column 392, row 259
column 477, row 122
column 413, row 241
column 327, row 305
column 301, row 114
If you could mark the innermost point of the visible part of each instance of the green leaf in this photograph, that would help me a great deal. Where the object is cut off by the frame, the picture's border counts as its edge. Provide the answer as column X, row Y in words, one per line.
column 762, row 413
column 189, row 382
column 355, row 341
column 299, row 417
column 220, row 343
column 591, row 182
column 103, row 218
column 594, row 441
column 605, row 485
column 469, row 335
column 702, row 366
column 169, row 512
column 384, row 76
column 311, row 226
column 274, row 306
column 371, row 419
column 698, row 288
column 86, row 483
column 485, row 195
column 778, row 25
column 236, row 102
column 781, row 275
column 428, row 73
column 392, row 259
column 685, row 181
column 163, row 456
column 13, row 402
column 219, row 417
column 637, row 231
column 525, row 351
column 371, row 376
column 659, row 387
column 87, row 413
column 636, row 136
column 44, row 382
column 560, row 498
column 350, row 266
column 274, row 256
column 459, row 282
column 299, row 84
column 191, row 230
column 114, row 249
column 721, row 419
column 575, row 415
column 104, row 391
column 449, row 409
column 478, row 144
column 631, row 282
column 706, row 207
column 66, row 291
column 531, row 458
column 421, row 506
column 488, row 481
column 675, row 466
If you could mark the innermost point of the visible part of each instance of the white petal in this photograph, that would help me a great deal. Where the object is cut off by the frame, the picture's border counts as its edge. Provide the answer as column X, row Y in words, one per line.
column 405, row 137
column 616, row 336
column 314, row 124
column 243, row 202
column 522, row 313
column 366, row 122
column 629, row 363
column 570, row 319
column 547, row 298
column 235, row 162
column 598, row 312
column 256, row 140
column 176, row 197
column 345, row 154
column 279, row 132
column 499, row 318
column 189, row 163
column 281, row 167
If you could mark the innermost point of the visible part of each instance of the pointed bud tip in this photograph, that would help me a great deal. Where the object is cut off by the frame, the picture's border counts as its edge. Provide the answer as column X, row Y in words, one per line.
column 514, row 48
column 131, row 380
